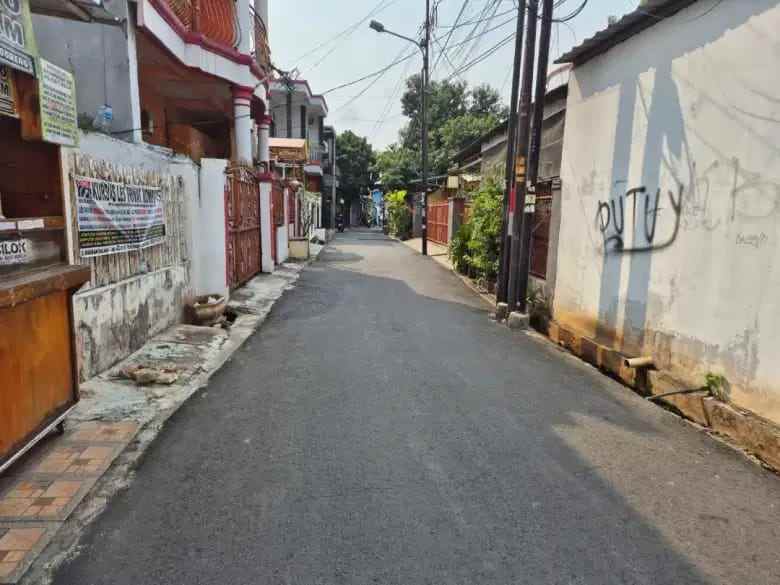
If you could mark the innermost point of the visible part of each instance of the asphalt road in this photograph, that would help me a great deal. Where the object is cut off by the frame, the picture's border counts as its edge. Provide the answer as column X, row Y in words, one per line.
column 380, row 429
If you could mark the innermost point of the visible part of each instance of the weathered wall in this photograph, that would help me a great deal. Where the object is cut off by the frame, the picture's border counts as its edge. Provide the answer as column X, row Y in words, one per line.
column 115, row 320
column 671, row 192
column 135, row 295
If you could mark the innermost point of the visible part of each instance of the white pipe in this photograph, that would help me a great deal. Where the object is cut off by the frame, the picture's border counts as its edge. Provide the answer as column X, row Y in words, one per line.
column 639, row 362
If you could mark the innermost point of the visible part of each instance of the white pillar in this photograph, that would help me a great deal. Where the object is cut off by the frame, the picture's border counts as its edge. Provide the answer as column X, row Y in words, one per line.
column 242, row 123
column 267, row 229
column 264, row 133
column 261, row 7
column 246, row 26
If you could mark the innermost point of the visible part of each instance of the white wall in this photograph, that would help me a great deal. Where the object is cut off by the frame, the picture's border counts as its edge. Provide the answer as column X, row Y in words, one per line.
column 689, row 110
column 212, row 263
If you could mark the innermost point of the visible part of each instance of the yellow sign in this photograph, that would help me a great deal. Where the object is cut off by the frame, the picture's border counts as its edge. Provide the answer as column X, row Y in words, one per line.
column 57, row 100
column 17, row 41
column 7, row 93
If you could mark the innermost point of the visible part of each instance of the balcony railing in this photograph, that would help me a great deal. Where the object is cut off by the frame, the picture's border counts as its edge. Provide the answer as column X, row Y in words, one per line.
column 260, row 48
column 317, row 153
column 214, row 19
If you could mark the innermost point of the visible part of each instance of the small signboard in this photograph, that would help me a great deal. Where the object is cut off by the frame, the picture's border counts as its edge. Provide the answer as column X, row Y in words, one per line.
column 17, row 41
column 15, row 251
column 7, row 93
column 59, row 117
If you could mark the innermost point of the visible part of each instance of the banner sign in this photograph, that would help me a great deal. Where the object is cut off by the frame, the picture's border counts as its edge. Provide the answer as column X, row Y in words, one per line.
column 59, row 117
column 17, row 42
column 115, row 217
column 7, row 93
column 14, row 251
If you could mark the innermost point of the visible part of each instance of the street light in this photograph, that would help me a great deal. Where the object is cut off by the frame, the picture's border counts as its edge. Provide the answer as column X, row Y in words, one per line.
column 423, row 46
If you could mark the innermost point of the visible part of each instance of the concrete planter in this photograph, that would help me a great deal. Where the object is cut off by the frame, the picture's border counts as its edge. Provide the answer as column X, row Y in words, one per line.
column 299, row 248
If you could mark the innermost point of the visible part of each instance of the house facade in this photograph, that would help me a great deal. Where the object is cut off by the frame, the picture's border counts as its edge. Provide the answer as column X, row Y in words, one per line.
column 299, row 114
column 670, row 187
column 175, row 92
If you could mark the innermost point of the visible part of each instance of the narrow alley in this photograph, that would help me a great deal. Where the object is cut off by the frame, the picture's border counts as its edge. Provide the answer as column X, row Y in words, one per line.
column 379, row 428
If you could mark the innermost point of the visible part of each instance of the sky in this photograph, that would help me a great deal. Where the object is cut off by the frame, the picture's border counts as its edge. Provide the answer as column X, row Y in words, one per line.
column 329, row 46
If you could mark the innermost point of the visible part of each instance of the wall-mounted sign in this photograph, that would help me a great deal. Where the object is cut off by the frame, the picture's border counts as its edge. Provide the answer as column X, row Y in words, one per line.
column 17, row 42
column 116, row 217
column 57, row 98
column 7, row 93
column 15, row 251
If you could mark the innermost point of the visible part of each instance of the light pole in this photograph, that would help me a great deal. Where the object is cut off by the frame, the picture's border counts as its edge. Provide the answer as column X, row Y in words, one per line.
column 423, row 46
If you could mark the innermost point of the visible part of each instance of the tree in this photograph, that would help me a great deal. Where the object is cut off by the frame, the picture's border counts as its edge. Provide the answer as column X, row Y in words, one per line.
column 485, row 100
column 355, row 159
column 397, row 166
column 456, row 117
column 457, row 133
column 446, row 100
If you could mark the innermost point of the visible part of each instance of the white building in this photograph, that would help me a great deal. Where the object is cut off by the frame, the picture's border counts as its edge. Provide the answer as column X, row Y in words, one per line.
column 670, row 227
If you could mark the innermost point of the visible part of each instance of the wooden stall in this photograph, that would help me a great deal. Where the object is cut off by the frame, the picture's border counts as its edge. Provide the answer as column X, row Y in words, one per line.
column 38, row 372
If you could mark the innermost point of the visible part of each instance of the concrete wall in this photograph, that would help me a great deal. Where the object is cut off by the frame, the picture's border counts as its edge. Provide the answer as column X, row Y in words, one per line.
column 684, row 269
column 104, row 62
column 114, row 321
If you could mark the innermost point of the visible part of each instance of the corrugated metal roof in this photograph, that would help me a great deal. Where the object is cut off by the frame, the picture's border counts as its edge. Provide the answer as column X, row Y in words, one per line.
column 622, row 30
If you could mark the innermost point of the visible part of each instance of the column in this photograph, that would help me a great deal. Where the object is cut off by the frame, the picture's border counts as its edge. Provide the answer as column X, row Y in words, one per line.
column 267, row 230
column 264, row 133
column 261, row 8
column 242, row 123
column 246, row 27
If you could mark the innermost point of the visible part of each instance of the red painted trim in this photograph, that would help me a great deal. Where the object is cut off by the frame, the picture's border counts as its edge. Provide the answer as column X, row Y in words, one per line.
column 242, row 92
column 265, row 177
column 193, row 38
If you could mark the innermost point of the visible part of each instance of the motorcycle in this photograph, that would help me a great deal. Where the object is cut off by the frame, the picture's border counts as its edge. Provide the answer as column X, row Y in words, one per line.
column 339, row 225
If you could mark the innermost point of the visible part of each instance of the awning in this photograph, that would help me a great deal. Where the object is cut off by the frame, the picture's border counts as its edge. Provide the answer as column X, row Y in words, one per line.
column 83, row 10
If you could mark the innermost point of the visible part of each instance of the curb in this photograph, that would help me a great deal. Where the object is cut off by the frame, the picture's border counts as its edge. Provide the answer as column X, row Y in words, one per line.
column 747, row 430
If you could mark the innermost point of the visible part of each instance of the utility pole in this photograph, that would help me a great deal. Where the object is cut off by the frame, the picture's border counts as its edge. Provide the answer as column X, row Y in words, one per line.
column 424, row 108
column 523, row 131
column 534, row 154
column 508, row 211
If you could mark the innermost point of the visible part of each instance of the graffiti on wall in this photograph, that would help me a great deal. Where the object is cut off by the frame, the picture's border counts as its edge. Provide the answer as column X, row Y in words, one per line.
column 618, row 214
column 750, row 196
column 630, row 222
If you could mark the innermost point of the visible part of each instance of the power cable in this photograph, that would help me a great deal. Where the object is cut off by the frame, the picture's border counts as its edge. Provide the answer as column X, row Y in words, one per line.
column 449, row 36
column 382, row 5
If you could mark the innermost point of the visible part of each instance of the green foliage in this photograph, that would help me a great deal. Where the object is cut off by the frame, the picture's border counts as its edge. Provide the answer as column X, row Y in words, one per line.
column 539, row 303
column 457, row 133
column 456, row 117
column 485, row 100
column 355, row 160
column 718, row 386
column 399, row 218
column 485, row 223
column 459, row 248
column 397, row 166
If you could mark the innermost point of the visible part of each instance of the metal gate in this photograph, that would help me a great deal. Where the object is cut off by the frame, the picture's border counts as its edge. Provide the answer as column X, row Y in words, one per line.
column 438, row 222
column 242, row 225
